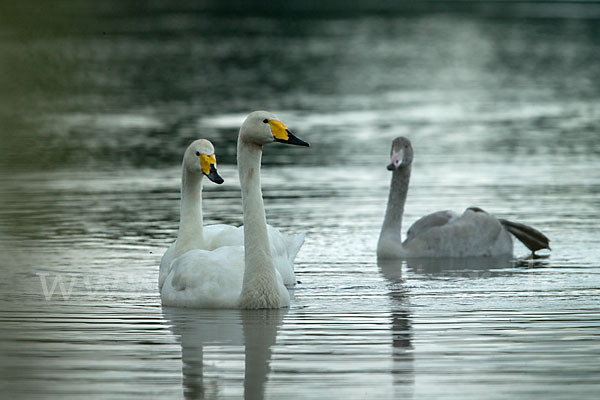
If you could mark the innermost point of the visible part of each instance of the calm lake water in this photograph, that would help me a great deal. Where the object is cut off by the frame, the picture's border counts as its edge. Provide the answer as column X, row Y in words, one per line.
column 97, row 105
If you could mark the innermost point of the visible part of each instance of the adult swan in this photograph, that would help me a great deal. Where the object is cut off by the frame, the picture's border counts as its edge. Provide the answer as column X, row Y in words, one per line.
column 199, row 161
column 236, row 276
column 445, row 234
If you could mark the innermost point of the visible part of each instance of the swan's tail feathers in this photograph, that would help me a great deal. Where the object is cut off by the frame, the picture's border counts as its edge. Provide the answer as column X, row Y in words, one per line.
column 530, row 237
column 295, row 242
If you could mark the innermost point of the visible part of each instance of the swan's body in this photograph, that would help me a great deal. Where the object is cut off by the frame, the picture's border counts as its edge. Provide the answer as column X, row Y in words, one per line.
column 284, row 247
column 475, row 233
column 216, row 271
column 472, row 234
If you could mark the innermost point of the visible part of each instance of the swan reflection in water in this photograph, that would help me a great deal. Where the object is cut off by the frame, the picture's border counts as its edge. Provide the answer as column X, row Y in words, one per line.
column 473, row 266
column 468, row 266
column 403, row 376
column 198, row 329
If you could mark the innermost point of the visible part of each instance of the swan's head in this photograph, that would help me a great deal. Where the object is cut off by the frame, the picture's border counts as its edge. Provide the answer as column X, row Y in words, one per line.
column 401, row 154
column 262, row 127
column 200, row 158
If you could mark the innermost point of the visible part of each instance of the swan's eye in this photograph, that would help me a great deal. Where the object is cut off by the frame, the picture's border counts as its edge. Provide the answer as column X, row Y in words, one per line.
column 198, row 153
column 266, row 121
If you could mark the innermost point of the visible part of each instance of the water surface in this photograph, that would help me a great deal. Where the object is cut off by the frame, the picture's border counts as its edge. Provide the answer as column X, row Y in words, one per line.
column 502, row 113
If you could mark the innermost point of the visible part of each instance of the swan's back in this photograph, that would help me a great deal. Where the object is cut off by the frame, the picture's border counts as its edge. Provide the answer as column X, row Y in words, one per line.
column 284, row 247
column 470, row 235
column 427, row 222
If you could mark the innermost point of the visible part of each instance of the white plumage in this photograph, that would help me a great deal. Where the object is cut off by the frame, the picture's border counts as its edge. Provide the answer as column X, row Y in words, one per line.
column 222, row 266
column 284, row 248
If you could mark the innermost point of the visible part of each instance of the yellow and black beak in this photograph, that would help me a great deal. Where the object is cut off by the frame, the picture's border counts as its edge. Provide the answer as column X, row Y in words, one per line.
column 282, row 134
column 209, row 168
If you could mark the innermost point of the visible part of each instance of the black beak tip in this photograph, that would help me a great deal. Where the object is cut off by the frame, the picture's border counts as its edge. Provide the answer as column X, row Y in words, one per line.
column 293, row 139
column 390, row 167
column 214, row 176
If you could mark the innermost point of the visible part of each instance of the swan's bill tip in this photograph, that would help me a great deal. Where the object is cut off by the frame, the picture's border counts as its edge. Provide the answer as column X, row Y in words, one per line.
column 292, row 139
column 214, row 176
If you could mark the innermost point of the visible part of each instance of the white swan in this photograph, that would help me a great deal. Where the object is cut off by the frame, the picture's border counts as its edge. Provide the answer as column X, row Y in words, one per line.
column 234, row 276
column 198, row 161
column 444, row 234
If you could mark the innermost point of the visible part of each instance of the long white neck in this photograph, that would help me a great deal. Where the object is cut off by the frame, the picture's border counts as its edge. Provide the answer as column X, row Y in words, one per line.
column 260, row 288
column 190, row 235
column 390, row 238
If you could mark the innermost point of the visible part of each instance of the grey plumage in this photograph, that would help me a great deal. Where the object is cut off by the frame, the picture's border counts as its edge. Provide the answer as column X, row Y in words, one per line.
column 475, row 233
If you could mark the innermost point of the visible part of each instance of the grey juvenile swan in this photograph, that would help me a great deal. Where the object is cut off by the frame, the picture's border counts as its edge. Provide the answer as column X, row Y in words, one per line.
column 475, row 233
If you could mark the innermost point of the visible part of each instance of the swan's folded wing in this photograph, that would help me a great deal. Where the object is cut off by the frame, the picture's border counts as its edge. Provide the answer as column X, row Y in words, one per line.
column 472, row 234
column 293, row 243
column 165, row 265
column 215, row 236
column 427, row 222
column 475, row 234
column 284, row 249
column 205, row 279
